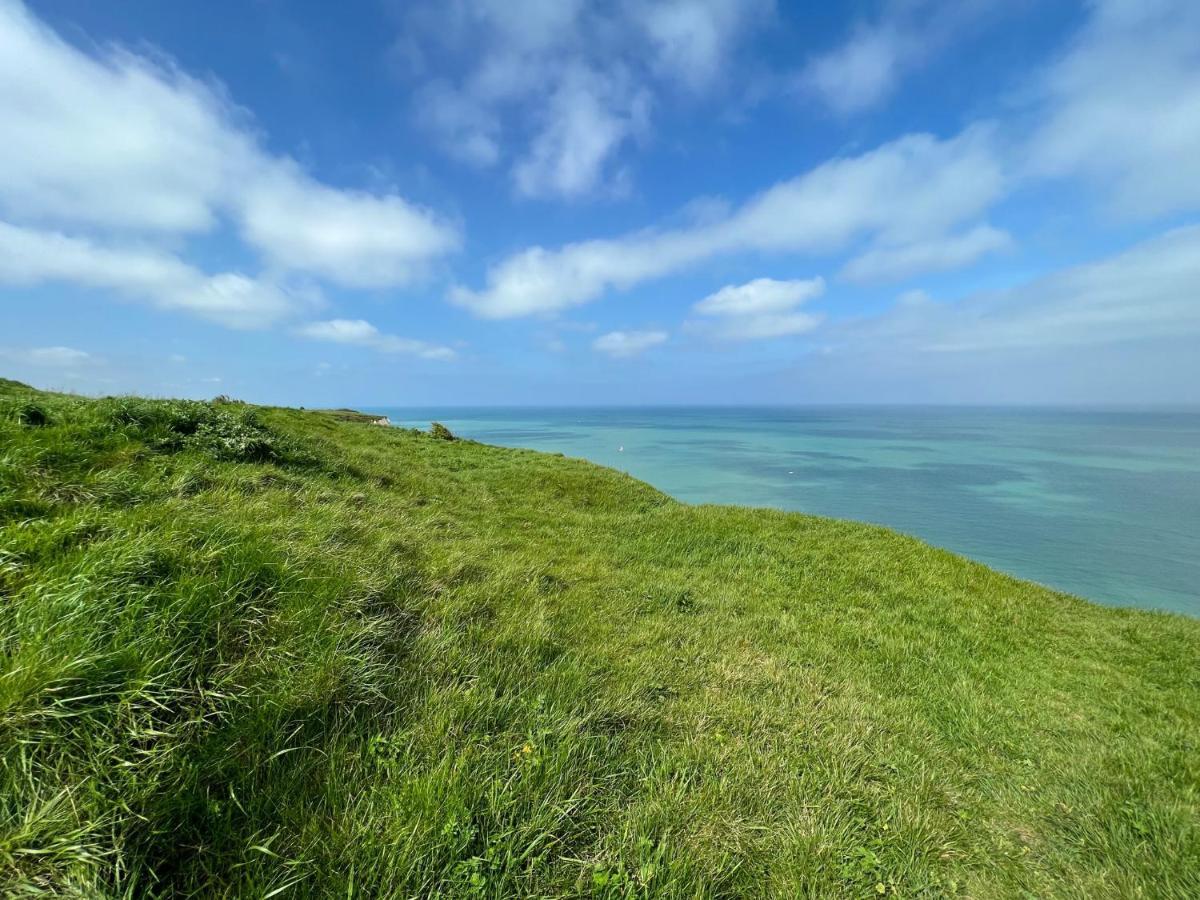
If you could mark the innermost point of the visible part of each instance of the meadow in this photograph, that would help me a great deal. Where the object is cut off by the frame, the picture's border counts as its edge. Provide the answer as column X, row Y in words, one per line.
column 255, row 652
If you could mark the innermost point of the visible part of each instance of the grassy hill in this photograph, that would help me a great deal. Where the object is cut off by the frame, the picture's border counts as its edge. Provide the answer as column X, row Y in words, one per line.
column 253, row 652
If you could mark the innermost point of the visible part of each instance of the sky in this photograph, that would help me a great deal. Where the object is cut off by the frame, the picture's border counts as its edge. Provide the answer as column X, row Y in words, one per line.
column 558, row 202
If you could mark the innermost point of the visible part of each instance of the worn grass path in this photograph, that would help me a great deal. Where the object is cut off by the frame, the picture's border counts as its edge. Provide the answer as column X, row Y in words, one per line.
column 249, row 651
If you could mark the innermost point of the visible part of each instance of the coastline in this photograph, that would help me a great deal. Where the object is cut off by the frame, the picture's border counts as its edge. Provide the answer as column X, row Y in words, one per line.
column 1111, row 528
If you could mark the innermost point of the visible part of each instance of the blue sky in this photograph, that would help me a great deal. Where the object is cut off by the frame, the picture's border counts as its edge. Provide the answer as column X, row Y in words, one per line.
column 560, row 202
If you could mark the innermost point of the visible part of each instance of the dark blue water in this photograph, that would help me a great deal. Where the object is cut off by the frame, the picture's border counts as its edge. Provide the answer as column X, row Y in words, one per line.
column 1101, row 504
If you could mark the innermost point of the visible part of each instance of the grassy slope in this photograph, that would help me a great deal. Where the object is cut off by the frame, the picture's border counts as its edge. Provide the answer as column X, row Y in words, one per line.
column 377, row 663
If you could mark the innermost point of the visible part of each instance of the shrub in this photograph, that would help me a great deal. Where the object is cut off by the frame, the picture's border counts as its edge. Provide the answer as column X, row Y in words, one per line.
column 180, row 417
column 441, row 432
column 227, row 432
column 237, row 441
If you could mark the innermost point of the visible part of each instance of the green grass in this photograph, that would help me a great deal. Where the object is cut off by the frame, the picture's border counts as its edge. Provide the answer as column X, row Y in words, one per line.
column 252, row 652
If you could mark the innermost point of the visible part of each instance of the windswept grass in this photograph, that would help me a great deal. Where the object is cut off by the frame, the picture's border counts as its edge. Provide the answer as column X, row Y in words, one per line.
column 260, row 652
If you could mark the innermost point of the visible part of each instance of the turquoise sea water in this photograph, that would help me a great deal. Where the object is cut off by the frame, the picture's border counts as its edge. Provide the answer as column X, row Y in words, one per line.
column 1105, row 505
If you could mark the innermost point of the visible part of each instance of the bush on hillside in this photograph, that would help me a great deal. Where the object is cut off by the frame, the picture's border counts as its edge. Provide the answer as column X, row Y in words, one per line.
column 234, row 435
column 441, row 432
column 237, row 441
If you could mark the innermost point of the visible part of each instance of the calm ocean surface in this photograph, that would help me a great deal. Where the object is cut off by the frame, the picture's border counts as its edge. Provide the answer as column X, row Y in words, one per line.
column 1102, row 504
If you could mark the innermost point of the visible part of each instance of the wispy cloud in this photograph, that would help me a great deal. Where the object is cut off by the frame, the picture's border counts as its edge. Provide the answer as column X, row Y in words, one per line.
column 868, row 66
column 763, row 308
column 1123, row 328
column 558, row 89
column 584, row 124
column 917, row 202
column 861, row 72
column 692, row 39
column 623, row 344
column 362, row 333
column 49, row 357
column 1122, row 107
column 1147, row 292
column 953, row 251
column 144, row 274
column 914, row 188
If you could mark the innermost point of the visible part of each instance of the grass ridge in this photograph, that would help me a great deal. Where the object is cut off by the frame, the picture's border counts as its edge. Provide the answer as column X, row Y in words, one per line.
column 254, row 651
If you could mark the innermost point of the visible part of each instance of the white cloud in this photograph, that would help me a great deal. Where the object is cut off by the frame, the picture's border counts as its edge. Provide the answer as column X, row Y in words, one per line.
column 586, row 119
column 575, row 80
column 861, row 72
column 938, row 254
column 623, row 344
column 1122, row 106
column 341, row 331
column 867, row 67
column 755, row 328
column 1123, row 329
column 50, row 357
column 763, row 295
column 31, row 256
column 1119, row 106
column 1145, row 293
column 349, row 237
column 911, row 189
column 692, row 38
column 763, row 308
column 917, row 200
column 115, row 141
column 362, row 333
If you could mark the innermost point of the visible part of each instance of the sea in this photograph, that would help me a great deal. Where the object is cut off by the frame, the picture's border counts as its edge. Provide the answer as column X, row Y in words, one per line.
column 1104, row 504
